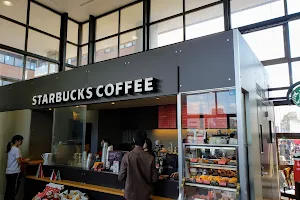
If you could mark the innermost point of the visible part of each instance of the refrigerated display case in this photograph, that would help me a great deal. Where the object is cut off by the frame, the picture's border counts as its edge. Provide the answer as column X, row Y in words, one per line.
column 210, row 146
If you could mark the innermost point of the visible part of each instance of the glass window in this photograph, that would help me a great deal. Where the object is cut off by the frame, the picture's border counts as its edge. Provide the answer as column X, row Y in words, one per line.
column 71, row 55
column 44, row 19
column 85, row 33
column 132, row 17
column 167, row 32
column 18, row 61
column 106, row 49
column 293, row 6
column 191, row 4
column 43, row 68
column 2, row 53
column 161, row 9
column 132, row 41
column 72, row 35
column 7, row 69
column 205, row 22
column 267, row 44
column 31, row 63
column 277, row 93
column 9, row 59
column 107, row 25
column 6, row 81
column 296, row 71
column 43, row 45
column 294, row 38
column 84, row 55
column 250, row 12
column 287, row 119
column 204, row 111
column 18, row 11
column 12, row 34
column 278, row 75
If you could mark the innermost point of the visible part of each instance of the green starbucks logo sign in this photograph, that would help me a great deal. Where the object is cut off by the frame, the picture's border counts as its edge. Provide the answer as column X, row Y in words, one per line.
column 296, row 96
column 294, row 93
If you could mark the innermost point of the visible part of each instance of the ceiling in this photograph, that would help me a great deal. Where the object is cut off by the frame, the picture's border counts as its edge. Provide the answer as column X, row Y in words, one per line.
column 80, row 10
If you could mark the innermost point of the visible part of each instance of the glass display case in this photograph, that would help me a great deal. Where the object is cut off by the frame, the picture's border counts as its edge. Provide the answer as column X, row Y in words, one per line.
column 210, row 146
column 68, row 138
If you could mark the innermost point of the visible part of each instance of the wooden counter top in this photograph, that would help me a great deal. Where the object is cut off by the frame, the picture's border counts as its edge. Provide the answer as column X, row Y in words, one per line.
column 90, row 187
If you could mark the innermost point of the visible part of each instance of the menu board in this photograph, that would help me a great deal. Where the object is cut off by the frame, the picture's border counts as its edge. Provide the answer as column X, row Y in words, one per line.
column 167, row 116
column 184, row 116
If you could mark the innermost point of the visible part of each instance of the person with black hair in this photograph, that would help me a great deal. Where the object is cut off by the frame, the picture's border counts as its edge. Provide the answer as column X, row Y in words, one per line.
column 148, row 147
column 13, row 170
column 138, row 170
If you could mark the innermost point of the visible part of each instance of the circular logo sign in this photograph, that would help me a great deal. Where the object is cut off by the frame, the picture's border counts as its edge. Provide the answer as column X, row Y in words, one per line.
column 296, row 96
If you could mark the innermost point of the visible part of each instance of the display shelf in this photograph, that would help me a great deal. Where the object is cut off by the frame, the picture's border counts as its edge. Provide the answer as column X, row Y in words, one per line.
column 213, row 166
column 210, row 145
column 211, row 187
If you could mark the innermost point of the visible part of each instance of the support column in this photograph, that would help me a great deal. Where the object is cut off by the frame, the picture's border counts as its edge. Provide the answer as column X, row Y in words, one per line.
column 63, row 41
column 79, row 54
column 227, row 15
column 92, row 35
column 146, row 21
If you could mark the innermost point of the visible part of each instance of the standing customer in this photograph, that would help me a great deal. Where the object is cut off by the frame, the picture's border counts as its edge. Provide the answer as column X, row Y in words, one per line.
column 138, row 171
column 13, row 170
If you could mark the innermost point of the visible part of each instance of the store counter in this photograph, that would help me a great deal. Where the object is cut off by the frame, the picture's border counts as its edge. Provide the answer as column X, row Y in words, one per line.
column 97, row 185
column 90, row 187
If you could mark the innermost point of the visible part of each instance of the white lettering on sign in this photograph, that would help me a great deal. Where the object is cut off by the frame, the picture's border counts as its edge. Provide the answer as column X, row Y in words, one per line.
column 108, row 90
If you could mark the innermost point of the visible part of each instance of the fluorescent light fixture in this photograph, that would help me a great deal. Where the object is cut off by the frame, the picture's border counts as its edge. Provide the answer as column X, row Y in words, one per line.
column 7, row 3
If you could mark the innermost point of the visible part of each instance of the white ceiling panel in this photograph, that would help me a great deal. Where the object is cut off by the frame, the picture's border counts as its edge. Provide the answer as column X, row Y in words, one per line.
column 80, row 10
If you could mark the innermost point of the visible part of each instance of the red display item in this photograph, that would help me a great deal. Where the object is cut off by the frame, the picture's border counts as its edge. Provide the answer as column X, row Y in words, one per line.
column 199, row 180
column 224, row 184
column 297, row 169
column 206, row 182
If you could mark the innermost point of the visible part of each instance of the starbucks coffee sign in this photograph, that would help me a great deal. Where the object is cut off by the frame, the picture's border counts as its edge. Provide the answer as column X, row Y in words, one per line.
column 142, row 86
column 294, row 93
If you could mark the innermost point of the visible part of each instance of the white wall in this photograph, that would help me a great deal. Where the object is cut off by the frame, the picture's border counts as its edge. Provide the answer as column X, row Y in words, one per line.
column 12, row 123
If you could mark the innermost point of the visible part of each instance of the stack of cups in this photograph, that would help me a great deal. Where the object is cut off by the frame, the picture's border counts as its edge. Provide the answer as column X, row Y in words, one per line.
column 84, row 157
column 89, row 161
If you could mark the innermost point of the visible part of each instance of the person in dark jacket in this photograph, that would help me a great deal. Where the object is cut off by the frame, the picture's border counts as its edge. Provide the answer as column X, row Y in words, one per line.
column 138, row 171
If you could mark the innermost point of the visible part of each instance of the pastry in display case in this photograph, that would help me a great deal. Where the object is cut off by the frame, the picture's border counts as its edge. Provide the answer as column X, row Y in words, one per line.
column 212, row 169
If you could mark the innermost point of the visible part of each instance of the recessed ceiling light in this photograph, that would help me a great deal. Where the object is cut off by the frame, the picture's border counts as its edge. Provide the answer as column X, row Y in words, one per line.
column 50, row 108
column 7, row 3
column 113, row 103
column 77, row 106
column 134, row 37
column 157, row 98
